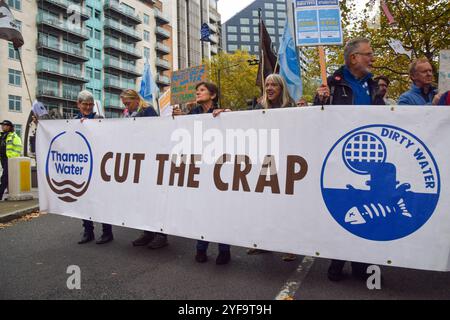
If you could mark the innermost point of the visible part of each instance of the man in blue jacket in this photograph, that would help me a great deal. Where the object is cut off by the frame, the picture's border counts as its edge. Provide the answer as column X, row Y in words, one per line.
column 422, row 91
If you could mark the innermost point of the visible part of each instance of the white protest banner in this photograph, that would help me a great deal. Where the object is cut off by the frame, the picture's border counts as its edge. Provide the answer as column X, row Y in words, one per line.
column 359, row 183
column 444, row 71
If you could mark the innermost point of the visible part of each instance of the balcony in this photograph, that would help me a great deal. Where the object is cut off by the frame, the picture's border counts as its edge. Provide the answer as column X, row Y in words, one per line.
column 162, row 63
column 214, row 39
column 117, row 84
column 214, row 15
column 64, row 4
column 45, row 19
column 214, row 49
column 54, row 94
column 121, row 47
column 163, row 80
column 76, row 53
column 114, row 6
column 213, row 28
column 162, row 33
column 44, row 67
column 118, row 27
column 160, row 18
column 113, row 103
column 162, row 48
column 116, row 64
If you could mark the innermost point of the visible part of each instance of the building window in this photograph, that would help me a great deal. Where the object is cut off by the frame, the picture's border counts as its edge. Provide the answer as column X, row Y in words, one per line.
column 97, row 14
column 12, row 53
column 232, row 47
column 256, row 30
column 281, row 24
column 281, row 7
column 232, row 37
column 232, row 28
column 244, row 21
column 271, row 31
column 245, row 38
column 256, row 38
column 269, row 14
column 146, row 35
column 268, row 6
column 146, row 19
column 281, row 15
column 15, row 103
column 98, row 54
column 97, row 74
column 98, row 94
column 90, row 10
column 91, row 32
column 246, row 48
column 15, row 4
column 18, row 130
column 89, row 72
column 89, row 52
column 270, row 23
column 255, row 13
column 147, row 52
column 19, row 24
column 98, row 34
column 15, row 77
column 245, row 30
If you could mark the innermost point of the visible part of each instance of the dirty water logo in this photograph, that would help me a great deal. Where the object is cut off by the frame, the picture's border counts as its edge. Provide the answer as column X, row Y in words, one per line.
column 380, row 182
column 69, row 173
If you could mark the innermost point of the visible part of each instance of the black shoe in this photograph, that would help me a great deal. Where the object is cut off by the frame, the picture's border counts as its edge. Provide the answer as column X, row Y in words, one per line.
column 201, row 256
column 87, row 237
column 159, row 241
column 144, row 239
column 223, row 257
column 105, row 238
column 335, row 271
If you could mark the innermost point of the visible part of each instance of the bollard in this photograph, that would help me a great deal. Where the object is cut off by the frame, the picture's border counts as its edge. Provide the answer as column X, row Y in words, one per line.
column 19, row 179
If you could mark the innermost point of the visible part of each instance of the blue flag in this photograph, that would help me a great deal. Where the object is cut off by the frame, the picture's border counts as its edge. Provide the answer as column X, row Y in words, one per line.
column 289, row 65
column 149, row 89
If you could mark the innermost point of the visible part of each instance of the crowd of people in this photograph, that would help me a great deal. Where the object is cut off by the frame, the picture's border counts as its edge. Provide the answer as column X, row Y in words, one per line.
column 352, row 84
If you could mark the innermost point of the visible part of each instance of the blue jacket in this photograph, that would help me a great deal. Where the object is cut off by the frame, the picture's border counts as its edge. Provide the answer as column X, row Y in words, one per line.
column 413, row 97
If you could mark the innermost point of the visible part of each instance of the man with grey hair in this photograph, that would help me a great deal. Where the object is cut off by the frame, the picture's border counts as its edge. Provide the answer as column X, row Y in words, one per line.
column 422, row 91
column 351, row 84
column 85, row 103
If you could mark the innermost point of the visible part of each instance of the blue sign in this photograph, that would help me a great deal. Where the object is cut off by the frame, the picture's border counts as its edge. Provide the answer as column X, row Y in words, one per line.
column 380, row 182
column 205, row 32
column 318, row 23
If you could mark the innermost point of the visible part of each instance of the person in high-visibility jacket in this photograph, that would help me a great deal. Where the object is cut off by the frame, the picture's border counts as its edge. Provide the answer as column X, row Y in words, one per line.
column 10, row 147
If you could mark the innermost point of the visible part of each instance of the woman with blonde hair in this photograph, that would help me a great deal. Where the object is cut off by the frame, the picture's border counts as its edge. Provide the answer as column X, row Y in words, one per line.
column 276, row 94
column 136, row 105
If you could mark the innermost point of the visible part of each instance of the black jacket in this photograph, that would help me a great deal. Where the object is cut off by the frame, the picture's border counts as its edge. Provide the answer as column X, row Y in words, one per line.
column 341, row 93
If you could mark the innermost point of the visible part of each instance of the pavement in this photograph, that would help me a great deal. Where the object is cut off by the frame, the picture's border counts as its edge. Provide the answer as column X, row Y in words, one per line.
column 10, row 210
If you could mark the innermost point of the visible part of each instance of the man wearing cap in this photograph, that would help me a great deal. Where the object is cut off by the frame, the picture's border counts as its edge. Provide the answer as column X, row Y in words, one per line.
column 10, row 147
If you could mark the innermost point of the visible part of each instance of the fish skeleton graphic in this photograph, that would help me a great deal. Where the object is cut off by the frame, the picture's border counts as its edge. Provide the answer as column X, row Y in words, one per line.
column 372, row 211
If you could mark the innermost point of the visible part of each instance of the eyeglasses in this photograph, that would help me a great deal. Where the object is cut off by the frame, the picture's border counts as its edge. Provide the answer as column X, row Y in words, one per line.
column 367, row 54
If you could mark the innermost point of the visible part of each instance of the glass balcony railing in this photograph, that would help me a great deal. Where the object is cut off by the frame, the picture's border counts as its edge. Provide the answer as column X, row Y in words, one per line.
column 163, row 79
column 160, row 17
column 162, row 47
column 162, row 32
column 113, row 43
column 113, row 103
column 116, row 6
column 67, row 94
column 66, row 71
column 45, row 18
column 122, row 28
column 63, row 48
column 163, row 63
column 214, row 38
column 116, row 63
column 67, row 3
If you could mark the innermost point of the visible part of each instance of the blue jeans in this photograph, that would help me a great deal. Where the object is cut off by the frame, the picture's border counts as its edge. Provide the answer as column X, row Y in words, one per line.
column 203, row 246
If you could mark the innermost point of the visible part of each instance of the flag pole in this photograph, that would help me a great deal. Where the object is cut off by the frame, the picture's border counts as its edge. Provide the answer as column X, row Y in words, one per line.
column 261, row 50
column 30, row 116
column 323, row 67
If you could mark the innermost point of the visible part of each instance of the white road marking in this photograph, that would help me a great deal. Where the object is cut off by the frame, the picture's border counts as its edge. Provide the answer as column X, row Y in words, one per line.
column 293, row 283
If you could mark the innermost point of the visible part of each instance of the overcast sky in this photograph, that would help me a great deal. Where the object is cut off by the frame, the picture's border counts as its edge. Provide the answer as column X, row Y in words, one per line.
column 228, row 8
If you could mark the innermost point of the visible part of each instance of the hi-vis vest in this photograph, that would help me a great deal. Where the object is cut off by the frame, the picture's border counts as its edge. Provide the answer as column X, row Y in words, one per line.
column 13, row 145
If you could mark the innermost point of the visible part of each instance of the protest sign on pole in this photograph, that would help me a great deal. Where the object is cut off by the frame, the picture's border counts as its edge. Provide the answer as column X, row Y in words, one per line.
column 182, row 84
column 444, row 71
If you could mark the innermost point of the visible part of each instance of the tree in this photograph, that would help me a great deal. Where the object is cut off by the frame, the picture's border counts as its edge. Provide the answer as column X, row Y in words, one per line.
column 237, row 78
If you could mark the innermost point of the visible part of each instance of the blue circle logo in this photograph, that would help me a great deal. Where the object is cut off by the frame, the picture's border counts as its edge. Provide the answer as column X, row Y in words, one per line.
column 69, row 173
column 380, row 182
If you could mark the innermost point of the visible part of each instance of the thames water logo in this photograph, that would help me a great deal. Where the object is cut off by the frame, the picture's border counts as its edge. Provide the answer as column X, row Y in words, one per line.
column 380, row 182
column 69, row 173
